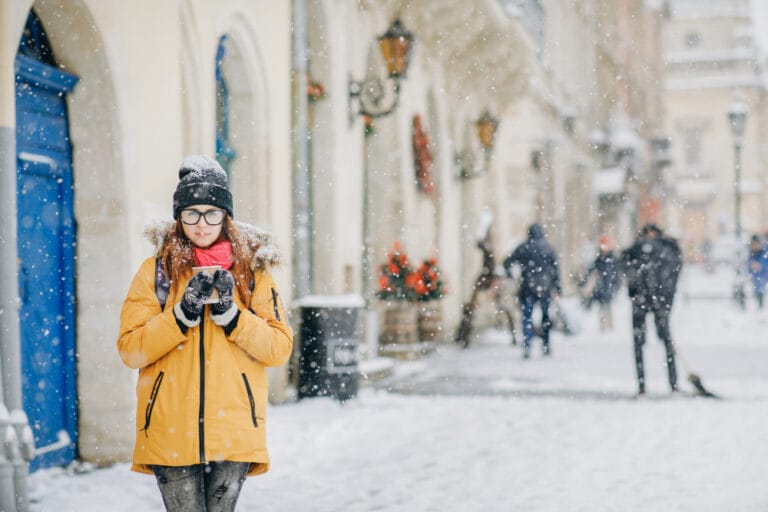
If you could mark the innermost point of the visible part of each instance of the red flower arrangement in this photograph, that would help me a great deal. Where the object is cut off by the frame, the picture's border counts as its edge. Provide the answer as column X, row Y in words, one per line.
column 315, row 90
column 399, row 282
column 369, row 128
column 422, row 157
column 393, row 277
column 427, row 281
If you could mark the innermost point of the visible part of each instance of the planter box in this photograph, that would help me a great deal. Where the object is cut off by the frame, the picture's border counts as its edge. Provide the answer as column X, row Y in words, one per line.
column 430, row 321
column 400, row 323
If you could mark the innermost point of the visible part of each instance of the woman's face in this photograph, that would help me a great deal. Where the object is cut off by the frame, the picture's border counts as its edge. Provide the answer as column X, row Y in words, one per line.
column 201, row 233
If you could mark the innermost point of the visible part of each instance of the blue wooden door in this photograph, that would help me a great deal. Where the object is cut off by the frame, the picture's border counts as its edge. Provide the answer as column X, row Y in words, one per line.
column 46, row 250
column 225, row 153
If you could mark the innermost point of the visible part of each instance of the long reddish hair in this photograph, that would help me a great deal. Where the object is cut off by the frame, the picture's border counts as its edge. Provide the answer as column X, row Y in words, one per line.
column 178, row 256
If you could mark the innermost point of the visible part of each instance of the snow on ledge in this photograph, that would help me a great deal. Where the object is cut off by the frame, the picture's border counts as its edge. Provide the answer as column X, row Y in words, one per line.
column 330, row 301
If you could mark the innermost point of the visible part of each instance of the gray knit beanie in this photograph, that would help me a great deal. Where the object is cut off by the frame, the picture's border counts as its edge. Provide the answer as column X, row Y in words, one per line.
column 202, row 181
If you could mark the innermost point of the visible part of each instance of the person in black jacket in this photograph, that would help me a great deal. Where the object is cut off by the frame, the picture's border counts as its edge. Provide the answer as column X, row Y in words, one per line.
column 652, row 265
column 539, row 280
column 606, row 269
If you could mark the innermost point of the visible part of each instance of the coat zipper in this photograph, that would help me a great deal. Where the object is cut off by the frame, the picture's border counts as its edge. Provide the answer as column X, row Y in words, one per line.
column 151, row 403
column 251, row 401
column 200, row 418
column 274, row 304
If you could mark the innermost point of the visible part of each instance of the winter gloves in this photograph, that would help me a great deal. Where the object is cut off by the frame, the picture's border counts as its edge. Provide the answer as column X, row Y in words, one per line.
column 224, row 312
column 188, row 310
column 198, row 291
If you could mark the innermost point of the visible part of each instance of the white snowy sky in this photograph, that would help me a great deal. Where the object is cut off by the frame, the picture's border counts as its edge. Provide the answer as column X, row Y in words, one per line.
column 760, row 10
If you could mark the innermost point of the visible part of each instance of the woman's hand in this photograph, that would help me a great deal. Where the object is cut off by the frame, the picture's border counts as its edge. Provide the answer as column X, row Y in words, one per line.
column 198, row 290
column 225, row 311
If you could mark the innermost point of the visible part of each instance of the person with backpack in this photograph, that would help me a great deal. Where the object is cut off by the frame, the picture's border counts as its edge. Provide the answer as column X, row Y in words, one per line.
column 606, row 269
column 202, row 339
column 539, row 281
column 757, row 266
column 652, row 266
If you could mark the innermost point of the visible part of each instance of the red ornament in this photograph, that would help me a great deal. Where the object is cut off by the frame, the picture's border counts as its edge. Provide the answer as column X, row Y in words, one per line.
column 422, row 157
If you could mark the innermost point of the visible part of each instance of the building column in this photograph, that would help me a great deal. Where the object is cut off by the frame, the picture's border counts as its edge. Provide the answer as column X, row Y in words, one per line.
column 9, row 305
column 13, row 421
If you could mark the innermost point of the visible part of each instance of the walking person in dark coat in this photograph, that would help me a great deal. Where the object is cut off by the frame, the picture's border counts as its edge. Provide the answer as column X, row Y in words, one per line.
column 607, row 281
column 652, row 265
column 539, row 280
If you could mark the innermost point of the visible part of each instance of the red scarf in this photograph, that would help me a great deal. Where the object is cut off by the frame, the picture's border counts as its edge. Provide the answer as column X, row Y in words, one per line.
column 219, row 254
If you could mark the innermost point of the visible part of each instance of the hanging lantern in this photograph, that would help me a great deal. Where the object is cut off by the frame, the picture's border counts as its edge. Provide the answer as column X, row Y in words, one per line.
column 737, row 118
column 396, row 45
column 486, row 130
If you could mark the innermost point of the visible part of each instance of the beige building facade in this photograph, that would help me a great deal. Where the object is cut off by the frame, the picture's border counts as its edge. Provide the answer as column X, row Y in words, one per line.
column 567, row 82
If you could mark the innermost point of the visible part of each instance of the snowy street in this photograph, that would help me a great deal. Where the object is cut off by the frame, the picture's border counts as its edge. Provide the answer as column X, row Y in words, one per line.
column 483, row 429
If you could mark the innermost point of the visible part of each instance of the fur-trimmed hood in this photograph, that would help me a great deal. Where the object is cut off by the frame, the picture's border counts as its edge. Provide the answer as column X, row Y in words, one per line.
column 264, row 252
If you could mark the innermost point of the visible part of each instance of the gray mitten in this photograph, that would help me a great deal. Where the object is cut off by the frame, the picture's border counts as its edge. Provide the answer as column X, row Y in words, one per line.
column 224, row 311
column 188, row 310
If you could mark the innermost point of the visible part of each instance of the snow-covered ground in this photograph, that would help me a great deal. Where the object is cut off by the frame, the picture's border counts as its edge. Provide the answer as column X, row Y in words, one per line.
column 483, row 429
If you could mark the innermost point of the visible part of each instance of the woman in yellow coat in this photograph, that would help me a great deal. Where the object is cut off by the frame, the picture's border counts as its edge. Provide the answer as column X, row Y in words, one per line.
column 201, row 342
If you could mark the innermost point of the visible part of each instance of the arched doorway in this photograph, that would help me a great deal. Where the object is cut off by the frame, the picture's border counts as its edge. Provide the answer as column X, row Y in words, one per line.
column 46, row 247
column 242, row 138
column 225, row 153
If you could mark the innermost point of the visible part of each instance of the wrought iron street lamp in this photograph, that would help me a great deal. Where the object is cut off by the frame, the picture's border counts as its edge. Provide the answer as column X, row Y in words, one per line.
column 377, row 97
column 660, row 159
column 540, row 164
column 737, row 119
column 486, row 127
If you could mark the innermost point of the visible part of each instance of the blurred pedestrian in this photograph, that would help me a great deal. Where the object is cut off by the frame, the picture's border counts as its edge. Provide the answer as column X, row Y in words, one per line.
column 707, row 257
column 758, row 267
column 202, row 383
column 607, row 280
column 652, row 265
column 539, row 281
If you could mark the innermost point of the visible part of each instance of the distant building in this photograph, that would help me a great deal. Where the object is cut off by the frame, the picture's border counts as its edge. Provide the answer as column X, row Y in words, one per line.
column 711, row 57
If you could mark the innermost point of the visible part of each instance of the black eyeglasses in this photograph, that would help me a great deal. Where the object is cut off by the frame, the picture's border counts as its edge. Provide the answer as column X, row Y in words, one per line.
column 191, row 217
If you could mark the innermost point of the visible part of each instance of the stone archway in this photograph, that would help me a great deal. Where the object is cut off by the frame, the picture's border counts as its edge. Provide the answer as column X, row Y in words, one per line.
column 250, row 171
column 100, row 191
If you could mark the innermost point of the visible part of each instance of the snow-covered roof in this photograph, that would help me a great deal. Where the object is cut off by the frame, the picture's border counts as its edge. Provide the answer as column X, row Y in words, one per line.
column 609, row 181
column 712, row 55
column 750, row 187
column 708, row 9
column 745, row 80
column 695, row 189
column 623, row 137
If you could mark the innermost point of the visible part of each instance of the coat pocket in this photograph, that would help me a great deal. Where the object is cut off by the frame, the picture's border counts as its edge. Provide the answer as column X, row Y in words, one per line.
column 251, row 401
column 151, row 402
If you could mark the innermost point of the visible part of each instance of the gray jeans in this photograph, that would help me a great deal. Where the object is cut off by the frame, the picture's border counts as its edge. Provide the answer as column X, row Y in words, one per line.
column 212, row 487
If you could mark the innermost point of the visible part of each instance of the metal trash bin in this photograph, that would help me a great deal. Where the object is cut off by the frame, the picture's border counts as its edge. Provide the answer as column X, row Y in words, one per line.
column 329, row 341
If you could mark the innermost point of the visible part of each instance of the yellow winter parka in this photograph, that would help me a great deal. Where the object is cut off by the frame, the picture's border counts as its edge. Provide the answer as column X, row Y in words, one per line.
column 202, row 396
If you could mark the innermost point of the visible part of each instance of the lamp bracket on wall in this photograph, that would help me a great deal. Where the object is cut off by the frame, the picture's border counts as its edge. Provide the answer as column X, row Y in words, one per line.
column 467, row 160
column 377, row 97
column 373, row 97
column 469, row 165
